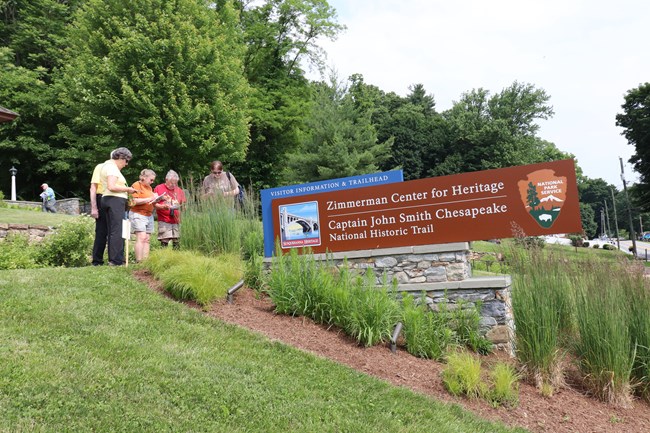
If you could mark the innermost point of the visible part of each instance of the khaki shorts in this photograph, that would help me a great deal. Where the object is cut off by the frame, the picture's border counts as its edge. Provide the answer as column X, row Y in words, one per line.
column 141, row 223
column 168, row 231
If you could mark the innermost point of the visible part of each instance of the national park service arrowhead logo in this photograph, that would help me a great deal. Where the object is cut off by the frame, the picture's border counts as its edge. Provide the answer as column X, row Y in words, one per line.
column 543, row 194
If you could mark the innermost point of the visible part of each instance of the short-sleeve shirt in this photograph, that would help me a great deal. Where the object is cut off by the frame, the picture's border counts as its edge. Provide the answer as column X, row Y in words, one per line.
column 110, row 169
column 173, row 197
column 142, row 191
column 213, row 183
column 96, row 178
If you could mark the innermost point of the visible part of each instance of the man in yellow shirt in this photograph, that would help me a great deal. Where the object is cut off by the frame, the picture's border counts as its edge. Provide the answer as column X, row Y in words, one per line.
column 101, row 229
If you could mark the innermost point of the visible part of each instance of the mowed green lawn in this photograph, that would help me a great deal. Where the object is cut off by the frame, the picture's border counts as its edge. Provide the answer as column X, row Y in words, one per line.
column 92, row 349
column 23, row 216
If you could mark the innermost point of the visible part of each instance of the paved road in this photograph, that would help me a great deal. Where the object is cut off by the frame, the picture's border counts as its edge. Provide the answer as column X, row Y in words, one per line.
column 643, row 248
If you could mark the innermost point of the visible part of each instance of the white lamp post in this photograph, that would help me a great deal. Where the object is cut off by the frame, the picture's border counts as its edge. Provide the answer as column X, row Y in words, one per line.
column 13, row 172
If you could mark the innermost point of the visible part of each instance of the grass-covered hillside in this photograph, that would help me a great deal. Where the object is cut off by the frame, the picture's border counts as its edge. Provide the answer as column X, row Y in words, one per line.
column 92, row 349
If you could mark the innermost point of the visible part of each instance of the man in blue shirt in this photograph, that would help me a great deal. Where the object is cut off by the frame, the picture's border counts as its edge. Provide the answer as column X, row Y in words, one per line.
column 48, row 199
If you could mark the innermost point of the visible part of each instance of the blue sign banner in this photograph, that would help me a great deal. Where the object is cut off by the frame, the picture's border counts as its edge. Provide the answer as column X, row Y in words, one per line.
column 344, row 183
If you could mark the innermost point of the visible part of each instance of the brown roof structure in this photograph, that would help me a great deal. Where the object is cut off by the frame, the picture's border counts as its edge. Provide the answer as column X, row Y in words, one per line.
column 7, row 115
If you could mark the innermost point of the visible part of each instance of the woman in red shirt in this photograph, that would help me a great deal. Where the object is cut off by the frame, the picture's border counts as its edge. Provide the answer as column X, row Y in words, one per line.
column 168, row 210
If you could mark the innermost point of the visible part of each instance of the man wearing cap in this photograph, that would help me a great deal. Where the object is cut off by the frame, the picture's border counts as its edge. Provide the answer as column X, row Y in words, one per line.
column 48, row 199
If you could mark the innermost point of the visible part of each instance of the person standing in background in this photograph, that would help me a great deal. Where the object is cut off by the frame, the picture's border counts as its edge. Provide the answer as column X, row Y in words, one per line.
column 49, row 200
column 141, row 213
column 96, row 211
column 114, row 199
column 169, row 209
column 220, row 182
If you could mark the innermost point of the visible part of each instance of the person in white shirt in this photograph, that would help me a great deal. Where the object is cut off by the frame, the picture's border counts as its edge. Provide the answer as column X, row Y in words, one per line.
column 114, row 200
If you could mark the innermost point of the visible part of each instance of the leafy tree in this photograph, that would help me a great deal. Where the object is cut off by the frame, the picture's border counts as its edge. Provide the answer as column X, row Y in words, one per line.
column 413, row 125
column 486, row 131
column 163, row 78
column 635, row 121
column 33, row 37
column 588, row 217
column 280, row 35
column 35, row 30
column 342, row 140
column 594, row 193
column 24, row 144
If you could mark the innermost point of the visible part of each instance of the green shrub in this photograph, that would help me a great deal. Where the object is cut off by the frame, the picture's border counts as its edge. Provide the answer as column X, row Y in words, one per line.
column 462, row 375
column 70, row 245
column 585, row 244
column 596, row 246
column 426, row 334
column 609, row 247
column 576, row 240
column 17, row 253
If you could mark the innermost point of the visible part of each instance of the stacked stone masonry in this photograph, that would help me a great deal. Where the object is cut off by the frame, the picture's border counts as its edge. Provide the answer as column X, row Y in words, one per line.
column 443, row 274
column 35, row 233
column 68, row 206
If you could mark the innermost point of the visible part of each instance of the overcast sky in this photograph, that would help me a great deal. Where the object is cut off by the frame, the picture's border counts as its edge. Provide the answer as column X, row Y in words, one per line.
column 585, row 54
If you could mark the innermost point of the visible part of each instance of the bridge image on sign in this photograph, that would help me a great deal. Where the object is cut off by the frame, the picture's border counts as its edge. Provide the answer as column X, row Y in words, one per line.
column 299, row 221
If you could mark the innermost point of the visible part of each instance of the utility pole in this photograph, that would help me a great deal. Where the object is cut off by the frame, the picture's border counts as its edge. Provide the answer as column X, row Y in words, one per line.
column 641, row 226
column 629, row 210
column 618, row 239
column 602, row 223
column 609, row 228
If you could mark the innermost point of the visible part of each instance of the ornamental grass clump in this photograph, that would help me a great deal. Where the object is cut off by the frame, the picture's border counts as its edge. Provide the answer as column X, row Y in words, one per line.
column 635, row 287
column 426, row 334
column 300, row 285
column 254, row 274
column 465, row 321
column 212, row 225
column 373, row 311
column 189, row 275
column 537, row 308
column 462, row 375
column 605, row 349
column 504, row 389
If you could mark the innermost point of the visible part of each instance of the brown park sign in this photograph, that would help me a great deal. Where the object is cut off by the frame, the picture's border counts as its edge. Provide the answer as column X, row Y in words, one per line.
column 537, row 199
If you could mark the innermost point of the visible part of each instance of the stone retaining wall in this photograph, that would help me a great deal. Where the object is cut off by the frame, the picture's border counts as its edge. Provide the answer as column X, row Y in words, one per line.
column 68, row 206
column 443, row 274
column 35, row 233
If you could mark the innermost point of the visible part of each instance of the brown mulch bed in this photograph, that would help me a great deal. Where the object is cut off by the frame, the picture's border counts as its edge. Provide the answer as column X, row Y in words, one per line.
column 568, row 410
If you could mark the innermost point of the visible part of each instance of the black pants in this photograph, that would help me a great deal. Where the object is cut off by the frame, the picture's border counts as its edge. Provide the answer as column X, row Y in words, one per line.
column 101, row 233
column 114, row 207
